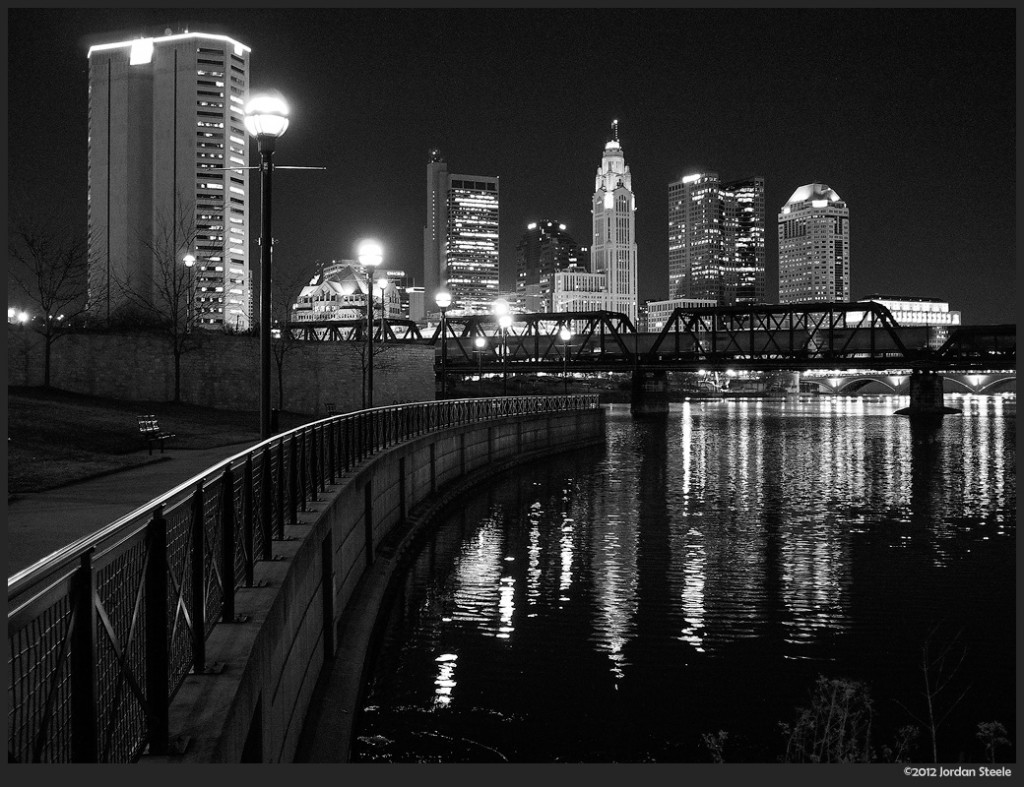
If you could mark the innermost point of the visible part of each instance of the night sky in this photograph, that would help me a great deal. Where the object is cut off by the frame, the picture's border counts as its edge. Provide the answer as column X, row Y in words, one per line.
column 909, row 115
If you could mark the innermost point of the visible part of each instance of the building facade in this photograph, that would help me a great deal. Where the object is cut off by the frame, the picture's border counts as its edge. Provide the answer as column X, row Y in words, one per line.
column 814, row 246
column 911, row 310
column 545, row 249
column 716, row 239
column 339, row 293
column 165, row 126
column 613, row 246
column 658, row 313
column 460, row 241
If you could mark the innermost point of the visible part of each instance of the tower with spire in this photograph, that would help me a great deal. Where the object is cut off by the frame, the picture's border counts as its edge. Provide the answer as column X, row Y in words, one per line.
column 613, row 251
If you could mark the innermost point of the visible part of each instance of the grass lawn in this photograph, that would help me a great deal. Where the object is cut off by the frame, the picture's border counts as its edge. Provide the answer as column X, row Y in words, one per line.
column 56, row 438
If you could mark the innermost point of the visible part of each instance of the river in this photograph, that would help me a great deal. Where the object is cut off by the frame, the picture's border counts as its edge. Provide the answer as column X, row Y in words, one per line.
column 677, row 595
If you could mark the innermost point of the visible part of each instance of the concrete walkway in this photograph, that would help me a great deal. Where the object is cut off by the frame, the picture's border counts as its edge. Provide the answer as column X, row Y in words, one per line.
column 40, row 523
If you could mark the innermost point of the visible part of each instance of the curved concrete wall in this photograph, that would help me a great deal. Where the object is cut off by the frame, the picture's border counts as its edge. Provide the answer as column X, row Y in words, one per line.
column 331, row 568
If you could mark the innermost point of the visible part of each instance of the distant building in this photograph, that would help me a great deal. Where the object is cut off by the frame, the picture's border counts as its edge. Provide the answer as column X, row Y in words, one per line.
column 814, row 246
column 716, row 239
column 911, row 310
column 460, row 241
column 165, row 119
column 545, row 249
column 576, row 290
column 659, row 312
column 339, row 293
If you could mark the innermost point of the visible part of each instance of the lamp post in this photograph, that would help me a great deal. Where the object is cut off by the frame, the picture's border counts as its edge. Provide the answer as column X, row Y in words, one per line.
column 189, row 260
column 480, row 343
column 443, row 299
column 565, row 335
column 381, row 286
column 370, row 256
column 501, row 309
column 266, row 118
column 505, row 322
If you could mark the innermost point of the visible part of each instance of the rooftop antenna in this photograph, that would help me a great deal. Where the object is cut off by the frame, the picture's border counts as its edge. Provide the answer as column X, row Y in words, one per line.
column 615, row 130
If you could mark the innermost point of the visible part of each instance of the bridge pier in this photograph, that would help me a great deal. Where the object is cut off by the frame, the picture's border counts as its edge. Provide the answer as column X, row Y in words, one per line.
column 648, row 393
column 926, row 402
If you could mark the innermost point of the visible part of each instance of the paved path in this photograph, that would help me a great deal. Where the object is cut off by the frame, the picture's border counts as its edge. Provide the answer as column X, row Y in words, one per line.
column 39, row 523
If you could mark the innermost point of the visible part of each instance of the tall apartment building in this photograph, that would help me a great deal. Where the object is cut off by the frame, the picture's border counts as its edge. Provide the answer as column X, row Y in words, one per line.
column 165, row 121
column 814, row 246
column 545, row 249
column 716, row 240
column 460, row 241
column 612, row 283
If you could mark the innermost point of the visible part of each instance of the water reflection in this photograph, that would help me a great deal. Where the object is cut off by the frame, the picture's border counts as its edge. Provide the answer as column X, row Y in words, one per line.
column 728, row 549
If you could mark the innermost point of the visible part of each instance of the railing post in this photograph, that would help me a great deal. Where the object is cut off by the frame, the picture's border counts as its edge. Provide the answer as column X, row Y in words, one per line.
column 227, row 540
column 157, row 642
column 346, row 444
column 293, row 481
column 279, row 492
column 84, row 724
column 248, row 524
column 266, row 490
column 303, row 473
column 197, row 572
column 332, row 449
column 316, row 483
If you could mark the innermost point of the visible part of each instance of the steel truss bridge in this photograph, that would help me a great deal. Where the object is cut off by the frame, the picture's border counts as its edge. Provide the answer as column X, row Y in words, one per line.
column 858, row 335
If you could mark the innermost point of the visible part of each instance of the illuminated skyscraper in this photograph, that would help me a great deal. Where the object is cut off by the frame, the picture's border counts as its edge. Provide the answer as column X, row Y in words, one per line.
column 612, row 283
column 716, row 242
column 165, row 119
column 814, row 246
column 460, row 241
column 613, row 250
column 545, row 249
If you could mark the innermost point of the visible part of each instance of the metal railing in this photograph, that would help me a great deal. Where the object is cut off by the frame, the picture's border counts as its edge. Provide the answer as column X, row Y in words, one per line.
column 103, row 632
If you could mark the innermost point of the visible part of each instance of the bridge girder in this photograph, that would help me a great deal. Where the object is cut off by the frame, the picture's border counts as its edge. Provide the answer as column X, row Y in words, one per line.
column 850, row 335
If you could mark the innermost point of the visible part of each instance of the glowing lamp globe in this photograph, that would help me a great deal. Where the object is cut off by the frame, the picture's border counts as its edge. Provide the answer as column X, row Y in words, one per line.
column 266, row 116
column 370, row 253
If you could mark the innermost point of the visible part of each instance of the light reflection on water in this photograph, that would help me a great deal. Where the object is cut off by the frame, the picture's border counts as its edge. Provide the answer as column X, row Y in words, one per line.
column 697, row 575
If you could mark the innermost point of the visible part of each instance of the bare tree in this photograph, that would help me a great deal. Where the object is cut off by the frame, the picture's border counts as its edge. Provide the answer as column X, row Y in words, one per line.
column 166, row 302
column 283, row 295
column 51, row 267
column 939, row 667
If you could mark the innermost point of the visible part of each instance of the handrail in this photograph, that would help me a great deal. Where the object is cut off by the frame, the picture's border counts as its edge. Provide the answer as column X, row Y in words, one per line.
column 103, row 632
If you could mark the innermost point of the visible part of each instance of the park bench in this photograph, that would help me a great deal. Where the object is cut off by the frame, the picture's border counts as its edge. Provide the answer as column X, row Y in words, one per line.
column 150, row 429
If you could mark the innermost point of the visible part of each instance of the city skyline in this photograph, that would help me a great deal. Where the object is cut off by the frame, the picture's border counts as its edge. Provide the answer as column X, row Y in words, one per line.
column 903, row 113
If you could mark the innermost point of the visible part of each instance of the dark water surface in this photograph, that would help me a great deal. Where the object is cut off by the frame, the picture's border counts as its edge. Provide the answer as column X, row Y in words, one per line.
column 697, row 575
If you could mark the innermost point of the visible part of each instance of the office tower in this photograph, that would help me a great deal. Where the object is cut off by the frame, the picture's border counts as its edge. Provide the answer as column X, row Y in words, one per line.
column 716, row 241
column 613, row 250
column 165, row 121
column 814, row 246
column 460, row 241
column 545, row 249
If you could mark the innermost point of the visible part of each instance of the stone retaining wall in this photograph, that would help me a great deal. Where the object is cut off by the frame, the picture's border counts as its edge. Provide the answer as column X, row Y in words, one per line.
column 222, row 371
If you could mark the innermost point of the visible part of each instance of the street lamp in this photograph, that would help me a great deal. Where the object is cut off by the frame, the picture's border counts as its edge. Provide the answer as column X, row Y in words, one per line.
column 370, row 256
column 504, row 322
column 443, row 299
column 189, row 260
column 266, row 118
column 480, row 343
column 501, row 310
column 565, row 335
column 381, row 286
